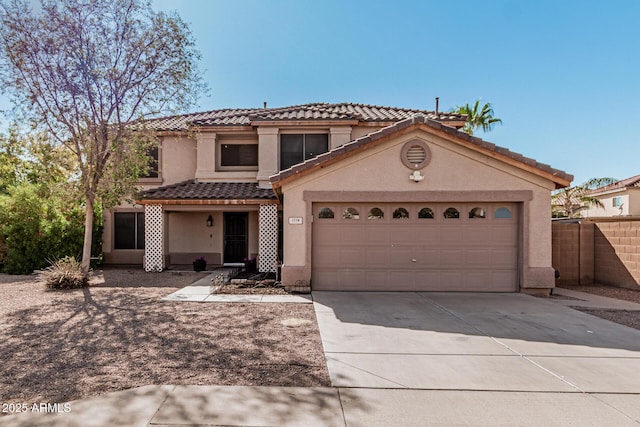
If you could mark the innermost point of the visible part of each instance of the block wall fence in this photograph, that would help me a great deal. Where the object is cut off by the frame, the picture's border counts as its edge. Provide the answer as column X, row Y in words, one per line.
column 605, row 251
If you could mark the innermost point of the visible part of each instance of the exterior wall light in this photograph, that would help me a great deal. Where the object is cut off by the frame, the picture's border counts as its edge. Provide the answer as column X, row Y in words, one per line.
column 210, row 221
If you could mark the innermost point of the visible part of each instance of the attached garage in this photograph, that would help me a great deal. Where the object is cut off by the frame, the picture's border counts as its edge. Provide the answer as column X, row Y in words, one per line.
column 418, row 206
column 415, row 247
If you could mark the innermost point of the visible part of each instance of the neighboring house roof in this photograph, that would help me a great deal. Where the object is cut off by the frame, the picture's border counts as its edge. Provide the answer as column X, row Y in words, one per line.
column 315, row 111
column 633, row 182
column 561, row 178
column 209, row 192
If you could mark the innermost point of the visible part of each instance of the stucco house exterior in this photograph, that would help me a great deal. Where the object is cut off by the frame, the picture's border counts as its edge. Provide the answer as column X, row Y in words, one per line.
column 621, row 198
column 343, row 197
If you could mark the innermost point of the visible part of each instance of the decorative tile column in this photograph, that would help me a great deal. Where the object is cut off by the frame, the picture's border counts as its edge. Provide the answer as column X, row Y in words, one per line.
column 153, row 238
column 267, row 238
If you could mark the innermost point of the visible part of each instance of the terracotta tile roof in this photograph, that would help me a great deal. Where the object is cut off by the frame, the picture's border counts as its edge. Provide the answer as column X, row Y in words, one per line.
column 193, row 190
column 315, row 111
column 418, row 119
column 633, row 182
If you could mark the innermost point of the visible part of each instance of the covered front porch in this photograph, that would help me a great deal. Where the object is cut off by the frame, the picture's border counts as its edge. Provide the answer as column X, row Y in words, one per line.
column 194, row 220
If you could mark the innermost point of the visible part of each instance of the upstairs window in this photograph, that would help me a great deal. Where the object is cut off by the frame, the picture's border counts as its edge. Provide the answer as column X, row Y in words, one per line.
column 617, row 201
column 296, row 148
column 238, row 156
column 153, row 171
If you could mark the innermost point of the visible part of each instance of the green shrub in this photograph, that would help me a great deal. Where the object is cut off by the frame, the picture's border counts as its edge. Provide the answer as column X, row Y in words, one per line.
column 36, row 225
column 65, row 273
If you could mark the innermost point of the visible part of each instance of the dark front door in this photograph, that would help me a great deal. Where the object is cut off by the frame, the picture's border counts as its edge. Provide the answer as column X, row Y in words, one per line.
column 235, row 236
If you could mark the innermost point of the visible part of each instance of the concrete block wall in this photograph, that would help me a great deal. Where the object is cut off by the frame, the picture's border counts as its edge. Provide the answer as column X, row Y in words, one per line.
column 617, row 253
column 597, row 250
column 565, row 246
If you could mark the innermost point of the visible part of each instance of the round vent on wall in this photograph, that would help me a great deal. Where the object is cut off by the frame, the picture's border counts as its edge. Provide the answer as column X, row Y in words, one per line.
column 415, row 154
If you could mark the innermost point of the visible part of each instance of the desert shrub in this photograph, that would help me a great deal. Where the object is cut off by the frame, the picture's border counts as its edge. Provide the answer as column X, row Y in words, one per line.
column 65, row 273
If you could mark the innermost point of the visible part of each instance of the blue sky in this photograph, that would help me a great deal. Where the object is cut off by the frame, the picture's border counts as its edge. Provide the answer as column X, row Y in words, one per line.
column 562, row 75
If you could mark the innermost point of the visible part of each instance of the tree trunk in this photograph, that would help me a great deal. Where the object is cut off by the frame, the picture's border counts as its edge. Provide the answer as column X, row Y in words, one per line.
column 88, row 236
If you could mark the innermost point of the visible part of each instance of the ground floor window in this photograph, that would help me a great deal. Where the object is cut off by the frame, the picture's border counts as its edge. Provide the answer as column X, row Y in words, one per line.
column 128, row 230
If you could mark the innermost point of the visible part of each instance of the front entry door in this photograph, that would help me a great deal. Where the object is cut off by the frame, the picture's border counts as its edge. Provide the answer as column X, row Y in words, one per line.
column 235, row 237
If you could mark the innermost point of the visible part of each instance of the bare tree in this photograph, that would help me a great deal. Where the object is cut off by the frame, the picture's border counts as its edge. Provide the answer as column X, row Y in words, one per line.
column 84, row 70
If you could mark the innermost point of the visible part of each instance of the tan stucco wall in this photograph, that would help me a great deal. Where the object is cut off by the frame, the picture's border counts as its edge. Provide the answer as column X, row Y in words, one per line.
column 452, row 168
column 178, row 160
column 188, row 232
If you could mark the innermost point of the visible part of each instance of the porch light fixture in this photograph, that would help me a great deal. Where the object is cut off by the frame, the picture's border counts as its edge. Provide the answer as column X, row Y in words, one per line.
column 210, row 221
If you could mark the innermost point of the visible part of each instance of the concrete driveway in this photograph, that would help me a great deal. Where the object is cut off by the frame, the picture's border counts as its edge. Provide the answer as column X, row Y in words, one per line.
column 464, row 341
column 477, row 360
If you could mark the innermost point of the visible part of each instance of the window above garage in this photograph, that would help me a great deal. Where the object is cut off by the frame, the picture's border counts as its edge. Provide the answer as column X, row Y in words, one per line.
column 296, row 148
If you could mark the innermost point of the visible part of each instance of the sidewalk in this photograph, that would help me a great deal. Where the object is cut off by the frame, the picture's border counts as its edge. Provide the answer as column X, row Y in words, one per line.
column 164, row 406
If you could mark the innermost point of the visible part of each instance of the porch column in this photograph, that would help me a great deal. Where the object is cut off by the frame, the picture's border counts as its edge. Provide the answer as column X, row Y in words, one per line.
column 267, row 238
column 153, row 238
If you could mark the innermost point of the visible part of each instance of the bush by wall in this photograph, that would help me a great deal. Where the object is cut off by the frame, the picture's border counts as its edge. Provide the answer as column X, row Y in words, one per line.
column 35, row 226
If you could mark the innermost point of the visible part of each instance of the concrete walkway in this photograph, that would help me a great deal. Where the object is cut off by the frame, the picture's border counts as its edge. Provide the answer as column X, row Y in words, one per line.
column 416, row 359
column 582, row 299
column 199, row 292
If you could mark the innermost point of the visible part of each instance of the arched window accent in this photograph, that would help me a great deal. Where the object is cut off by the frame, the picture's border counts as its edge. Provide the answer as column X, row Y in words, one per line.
column 375, row 213
column 451, row 213
column 401, row 213
column 325, row 213
column 477, row 213
column 502, row 213
column 351, row 213
column 426, row 213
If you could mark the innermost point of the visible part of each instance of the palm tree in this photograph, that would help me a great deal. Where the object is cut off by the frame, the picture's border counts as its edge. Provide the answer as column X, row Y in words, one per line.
column 478, row 117
column 569, row 202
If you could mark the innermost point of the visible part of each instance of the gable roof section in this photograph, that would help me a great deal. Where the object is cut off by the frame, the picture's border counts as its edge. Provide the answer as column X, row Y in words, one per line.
column 207, row 193
column 633, row 182
column 314, row 111
column 560, row 178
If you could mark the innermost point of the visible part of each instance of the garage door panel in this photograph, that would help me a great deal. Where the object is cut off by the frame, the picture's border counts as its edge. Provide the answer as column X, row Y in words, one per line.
column 504, row 234
column 477, row 258
column 326, row 256
column 351, row 257
column 376, row 233
column 477, row 235
column 351, row 234
column 463, row 254
column 330, row 233
column 503, row 258
column 453, row 257
column 426, row 233
column 400, row 256
column 375, row 257
column 401, row 234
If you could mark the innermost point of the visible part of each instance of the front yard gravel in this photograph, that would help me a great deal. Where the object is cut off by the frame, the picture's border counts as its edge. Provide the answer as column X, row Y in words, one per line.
column 57, row 346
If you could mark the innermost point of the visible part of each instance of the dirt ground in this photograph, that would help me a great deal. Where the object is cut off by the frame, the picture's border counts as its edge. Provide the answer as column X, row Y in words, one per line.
column 624, row 317
column 57, row 346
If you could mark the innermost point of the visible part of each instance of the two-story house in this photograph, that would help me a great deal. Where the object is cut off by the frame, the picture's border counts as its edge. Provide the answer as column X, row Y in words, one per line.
column 621, row 198
column 345, row 197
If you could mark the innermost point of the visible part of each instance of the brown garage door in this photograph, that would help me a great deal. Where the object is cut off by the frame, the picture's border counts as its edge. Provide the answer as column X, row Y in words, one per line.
column 415, row 246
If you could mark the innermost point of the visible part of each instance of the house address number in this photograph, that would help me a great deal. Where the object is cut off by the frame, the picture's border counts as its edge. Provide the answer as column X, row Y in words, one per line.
column 295, row 220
